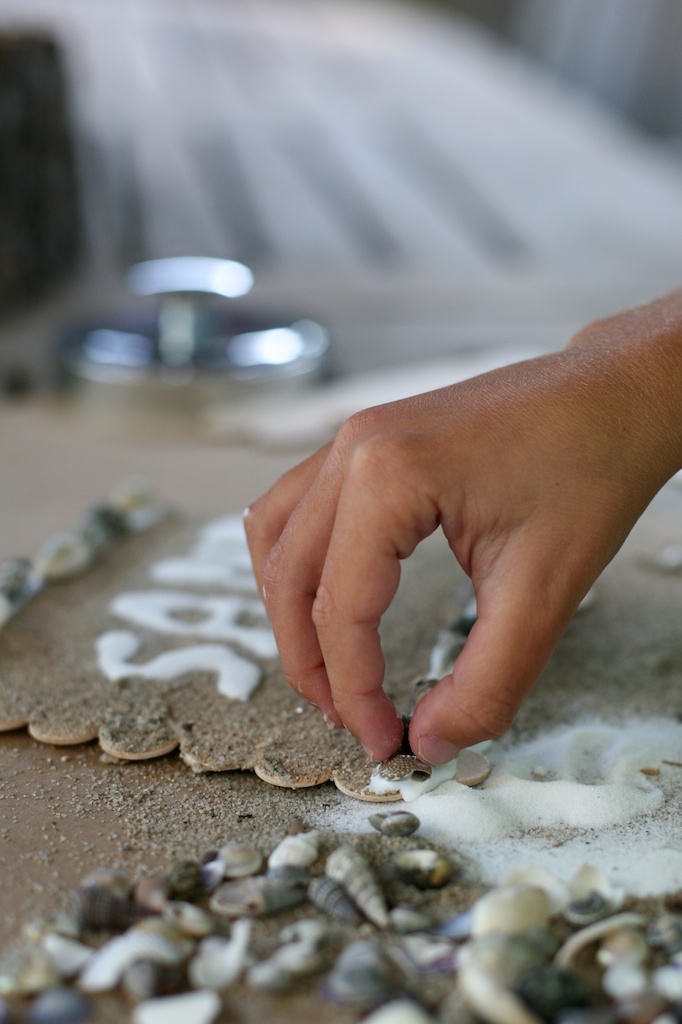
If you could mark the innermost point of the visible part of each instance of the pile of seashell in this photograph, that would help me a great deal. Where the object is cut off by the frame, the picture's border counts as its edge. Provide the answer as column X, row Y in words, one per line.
column 130, row 508
column 179, row 947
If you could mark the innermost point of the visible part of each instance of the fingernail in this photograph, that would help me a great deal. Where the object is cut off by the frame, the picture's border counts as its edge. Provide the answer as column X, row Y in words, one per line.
column 369, row 752
column 330, row 722
column 436, row 750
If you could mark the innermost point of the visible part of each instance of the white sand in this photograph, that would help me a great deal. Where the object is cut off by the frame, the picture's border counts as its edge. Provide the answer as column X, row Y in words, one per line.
column 571, row 796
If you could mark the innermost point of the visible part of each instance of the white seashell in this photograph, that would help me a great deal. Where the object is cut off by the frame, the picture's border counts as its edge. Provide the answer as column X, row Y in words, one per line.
column 429, row 954
column 105, row 968
column 540, row 878
column 625, row 944
column 593, row 932
column 200, row 1007
column 405, row 919
column 294, row 960
column 239, row 859
column 502, row 956
column 189, row 919
column 300, row 850
column 490, row 1001
column 56, row 922
column 400, row 1011
column 218, row 962
column 394, row 823
column 24, row 971
column 347, row 866
column 68, row 956
column 624, row 980
column 307, row 929
column 512, row 909
column 589, row 879
column 668, row 983
column 63, row 556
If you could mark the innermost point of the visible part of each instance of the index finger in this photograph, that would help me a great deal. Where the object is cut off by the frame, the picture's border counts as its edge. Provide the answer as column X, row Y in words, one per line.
column 380, row 520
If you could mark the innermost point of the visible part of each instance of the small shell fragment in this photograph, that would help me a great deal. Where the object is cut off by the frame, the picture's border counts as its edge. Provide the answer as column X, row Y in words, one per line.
column 590, row 908
column 593, row 932
column 238, row 860
column 254, row 897
column 201, row 1007
column 399, row 1011
column 106, row 967
column 67, row 955
column 395, row 823
column 189, row 919
column 63, row 556
column 26, row 970
column 491, row 1001
column 218, row 962
column 186, row 881
column 300, row 850
column 424, row 868
column 406, row 919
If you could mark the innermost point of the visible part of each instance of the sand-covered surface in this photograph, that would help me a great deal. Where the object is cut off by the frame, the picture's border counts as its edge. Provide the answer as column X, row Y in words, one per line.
column 584, row 731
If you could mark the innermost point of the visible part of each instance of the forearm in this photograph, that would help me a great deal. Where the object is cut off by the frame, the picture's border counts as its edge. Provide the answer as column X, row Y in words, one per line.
column 642, row 351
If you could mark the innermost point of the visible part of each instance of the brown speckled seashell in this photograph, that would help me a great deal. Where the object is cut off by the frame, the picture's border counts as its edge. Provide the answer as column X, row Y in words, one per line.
column 99, row 909
column 401, row 766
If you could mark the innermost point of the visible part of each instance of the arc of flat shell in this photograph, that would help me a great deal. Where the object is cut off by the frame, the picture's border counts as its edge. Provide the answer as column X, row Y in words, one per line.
column 491, row 1002
column 595, row 931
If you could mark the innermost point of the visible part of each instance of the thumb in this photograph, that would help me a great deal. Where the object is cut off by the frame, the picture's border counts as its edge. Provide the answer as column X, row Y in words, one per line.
column 519, row 624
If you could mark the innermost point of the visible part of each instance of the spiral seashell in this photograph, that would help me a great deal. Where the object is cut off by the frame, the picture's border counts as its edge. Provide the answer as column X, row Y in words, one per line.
column 395, row 823
column 300, row 850
column 403, row 766
column 331, row 897
column 347, row 866
column 98, row 909
column 118, row 883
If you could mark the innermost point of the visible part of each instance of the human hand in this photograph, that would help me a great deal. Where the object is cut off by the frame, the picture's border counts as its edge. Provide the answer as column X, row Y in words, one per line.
column 535, row 473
